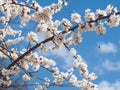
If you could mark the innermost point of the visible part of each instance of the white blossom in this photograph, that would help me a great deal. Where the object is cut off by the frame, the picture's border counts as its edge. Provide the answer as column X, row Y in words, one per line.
column 114, row 20
column 5, row 72
column 101, row 13
column 7, row 81
column 41, row 16
column 36, row 67
column 59, row 38
column 39, row 86
column 41, row 27
column 14, row 70
column 49, row 62
column 89, row 15
column 75, row 17
column 26, row 77
column 100, row 28
column 73, row 79
column 66, row 23
column 76, row 37
column 14, row 41
column 32, row 37
column 109, row 8
column 72, row 52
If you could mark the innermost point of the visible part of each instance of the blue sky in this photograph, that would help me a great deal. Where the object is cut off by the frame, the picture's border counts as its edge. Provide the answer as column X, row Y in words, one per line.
column 104, row 61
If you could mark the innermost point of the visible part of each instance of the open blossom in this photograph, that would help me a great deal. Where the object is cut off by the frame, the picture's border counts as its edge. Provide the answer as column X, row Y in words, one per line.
column 49, row 62
column 92, row 76
column 14, row 41
column 41, row 27
column 89, row 15
column 5, row 71
column 26, row 77
column 101, row 12
column 73, row 79
column 66, row 23
column 59, row 38
column 109, row 8
column 114, row 20
column 41, row 16
column 32, row 37
column 75, row 17
column 76, row 38
column 14, row 70
column 100, row 29
column 7, row 81
column 72, row 52
column 36, row 67
column 39, row 86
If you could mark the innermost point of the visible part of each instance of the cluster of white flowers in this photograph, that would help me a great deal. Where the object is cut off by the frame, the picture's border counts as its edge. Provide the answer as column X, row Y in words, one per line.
column 69, row 41
column 89, row 15
column 36, row 5
column 14, row 41
column 8, row 31
column 12, row 70
column 24, row 64
column 47, row 82
column 75, row 17
column 111, row 9
column 60, row 76
column 41, row 27
column 100, row 29
column 43, row 48
column 78, row 63
column 76, row 37
column 101, row 13
column 6, row 81
column 36, row 61
column 32, row 37
column 82, row 83
column 43, row 16
column 59, row 38
column 114, row 20
column 39, row 87
column 66, row 23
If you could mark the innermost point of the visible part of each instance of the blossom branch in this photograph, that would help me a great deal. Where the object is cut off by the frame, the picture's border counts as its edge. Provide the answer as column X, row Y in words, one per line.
column 48, row 39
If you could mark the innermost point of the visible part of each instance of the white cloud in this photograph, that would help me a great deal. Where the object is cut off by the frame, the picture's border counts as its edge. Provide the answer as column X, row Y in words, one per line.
column 107, row 47
column 111, row 66
column 105, row 85
column 107, row 65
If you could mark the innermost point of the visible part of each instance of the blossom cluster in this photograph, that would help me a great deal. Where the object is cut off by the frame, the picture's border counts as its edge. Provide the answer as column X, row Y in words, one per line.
column 57, row 33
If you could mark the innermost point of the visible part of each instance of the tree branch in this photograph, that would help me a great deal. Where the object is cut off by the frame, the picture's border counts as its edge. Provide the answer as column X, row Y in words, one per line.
column 48, row 39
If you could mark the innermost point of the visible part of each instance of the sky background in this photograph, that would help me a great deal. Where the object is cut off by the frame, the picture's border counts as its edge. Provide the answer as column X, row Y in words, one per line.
column 104, row 61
